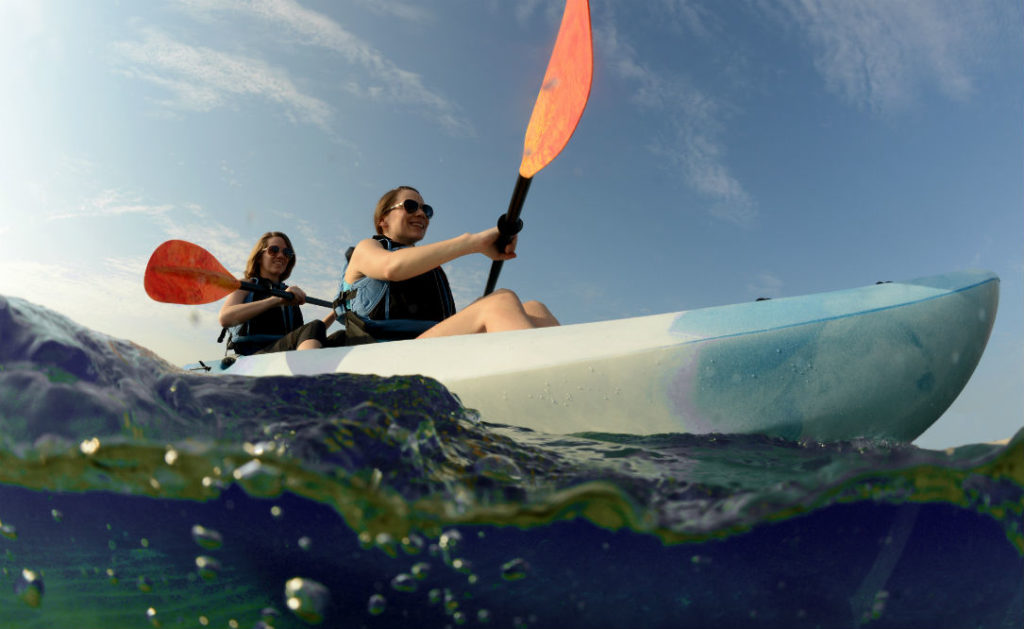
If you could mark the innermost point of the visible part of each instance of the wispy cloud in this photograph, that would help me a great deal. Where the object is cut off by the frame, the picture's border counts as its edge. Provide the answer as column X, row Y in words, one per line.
column 383, row 79
column 881, row 55
column 203, row 79
column 395, row 8
column 691, row 143
column 110, row 203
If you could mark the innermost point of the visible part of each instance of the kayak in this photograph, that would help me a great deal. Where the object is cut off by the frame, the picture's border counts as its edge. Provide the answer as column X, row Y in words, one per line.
column 882, row 362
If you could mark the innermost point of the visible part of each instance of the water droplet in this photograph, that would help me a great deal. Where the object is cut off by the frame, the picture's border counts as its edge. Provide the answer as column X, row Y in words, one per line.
column 498, row 467
column 112, row 575
column 450, row 541
column 208, row 567
column 90, row 446
column 514, row 570
column 152, row 617
column 57, row 515
column 207, row 538
column 276, row 511
column 307, row 599
column 404, row 583
column 434, row 596
column 376, row 605
column 8, row 531
column 462, row 565
column 171, row 456
column 259, row 479
column 413, row 544
column 305, row 543
column 269, row 615
column 483, row 616
column 450, row 604
column 420, row 570
column 29, row 588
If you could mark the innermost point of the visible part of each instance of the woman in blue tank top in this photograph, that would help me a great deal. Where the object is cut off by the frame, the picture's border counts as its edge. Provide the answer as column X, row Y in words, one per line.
column 391, row 275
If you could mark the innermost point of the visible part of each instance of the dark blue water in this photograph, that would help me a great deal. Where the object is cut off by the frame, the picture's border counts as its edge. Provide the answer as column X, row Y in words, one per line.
column 380, row 502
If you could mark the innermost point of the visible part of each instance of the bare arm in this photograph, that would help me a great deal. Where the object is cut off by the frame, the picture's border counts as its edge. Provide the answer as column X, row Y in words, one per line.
column 371, row 259
column 235, row 310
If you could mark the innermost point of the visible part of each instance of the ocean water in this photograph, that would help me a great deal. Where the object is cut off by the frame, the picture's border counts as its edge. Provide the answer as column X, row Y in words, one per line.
column 133, row 494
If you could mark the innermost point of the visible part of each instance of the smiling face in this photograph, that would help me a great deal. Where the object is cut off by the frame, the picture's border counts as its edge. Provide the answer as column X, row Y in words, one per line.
column 401, row 226
column 273, row 265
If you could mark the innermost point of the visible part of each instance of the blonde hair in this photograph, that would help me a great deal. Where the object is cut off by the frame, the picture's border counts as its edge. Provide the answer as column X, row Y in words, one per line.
column 252, row 267
column 385, row 202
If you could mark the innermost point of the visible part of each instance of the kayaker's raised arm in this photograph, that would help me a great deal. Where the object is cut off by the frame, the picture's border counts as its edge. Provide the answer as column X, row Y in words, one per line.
column 372, row 259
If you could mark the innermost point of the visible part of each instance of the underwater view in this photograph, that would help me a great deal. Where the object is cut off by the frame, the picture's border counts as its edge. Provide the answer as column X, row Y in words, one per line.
column 135, row 494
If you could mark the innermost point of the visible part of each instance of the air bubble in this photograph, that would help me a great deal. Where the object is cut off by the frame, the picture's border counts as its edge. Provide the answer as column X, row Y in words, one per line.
column 307, row 599
column 420, row 570
column 514, row 570
column 208, row 567
column 207, row 538
column 376, row 605
column 499, row 468
column 29, row 588
column 412, row 544
column 404, row 583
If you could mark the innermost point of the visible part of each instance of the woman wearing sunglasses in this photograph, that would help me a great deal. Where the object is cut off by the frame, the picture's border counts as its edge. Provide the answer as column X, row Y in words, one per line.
column 260, row 323
column 397, row 288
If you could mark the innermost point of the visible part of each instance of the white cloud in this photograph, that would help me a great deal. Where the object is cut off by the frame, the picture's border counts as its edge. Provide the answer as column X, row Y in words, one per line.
column 692, row 143
column 383, row 80
column 203, row 79
column 111, row 203
column 394, row 8
column 881, row 55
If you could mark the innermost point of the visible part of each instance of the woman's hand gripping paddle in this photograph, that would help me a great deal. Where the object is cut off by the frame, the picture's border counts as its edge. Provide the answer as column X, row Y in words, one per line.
column 561, row 101
column 180, row 272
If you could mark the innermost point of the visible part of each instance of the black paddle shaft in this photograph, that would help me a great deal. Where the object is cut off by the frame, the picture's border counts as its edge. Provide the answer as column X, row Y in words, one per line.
column 256, row 288
column 509, row 224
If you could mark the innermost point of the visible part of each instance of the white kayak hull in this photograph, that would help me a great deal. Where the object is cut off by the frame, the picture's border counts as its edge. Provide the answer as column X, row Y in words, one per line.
column 882, row 361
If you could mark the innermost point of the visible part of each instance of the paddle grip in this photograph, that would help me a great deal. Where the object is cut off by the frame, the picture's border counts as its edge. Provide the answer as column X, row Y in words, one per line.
column 256, row 288
column 509, row 225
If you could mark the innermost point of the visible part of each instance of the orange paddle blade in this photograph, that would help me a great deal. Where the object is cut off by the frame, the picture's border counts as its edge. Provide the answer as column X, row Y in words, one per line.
column 564, row 93
column 180, row 272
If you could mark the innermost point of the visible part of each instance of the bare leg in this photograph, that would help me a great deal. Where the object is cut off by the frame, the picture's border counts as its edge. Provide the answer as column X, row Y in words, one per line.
column 539, row 315
column 497, row 312
column 309, row 344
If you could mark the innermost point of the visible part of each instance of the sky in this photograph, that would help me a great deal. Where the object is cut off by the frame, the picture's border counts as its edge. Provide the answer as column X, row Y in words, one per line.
column 729, row 151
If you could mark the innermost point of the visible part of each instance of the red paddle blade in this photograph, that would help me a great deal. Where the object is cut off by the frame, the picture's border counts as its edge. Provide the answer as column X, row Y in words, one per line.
column 564, row 93
column 180, row 272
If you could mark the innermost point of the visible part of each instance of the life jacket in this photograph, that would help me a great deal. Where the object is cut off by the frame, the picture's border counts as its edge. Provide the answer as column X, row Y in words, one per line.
column 396, row 310
column 253, row 335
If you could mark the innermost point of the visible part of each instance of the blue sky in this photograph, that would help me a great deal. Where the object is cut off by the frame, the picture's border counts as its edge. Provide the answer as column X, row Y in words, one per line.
column 729, row 151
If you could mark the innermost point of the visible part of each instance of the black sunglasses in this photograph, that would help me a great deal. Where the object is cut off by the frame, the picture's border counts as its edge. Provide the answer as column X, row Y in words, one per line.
column 274, row 250
column 411, row 205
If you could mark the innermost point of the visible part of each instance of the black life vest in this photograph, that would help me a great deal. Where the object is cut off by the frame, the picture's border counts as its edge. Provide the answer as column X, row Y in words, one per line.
column 265, row 328
column 401, row 309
